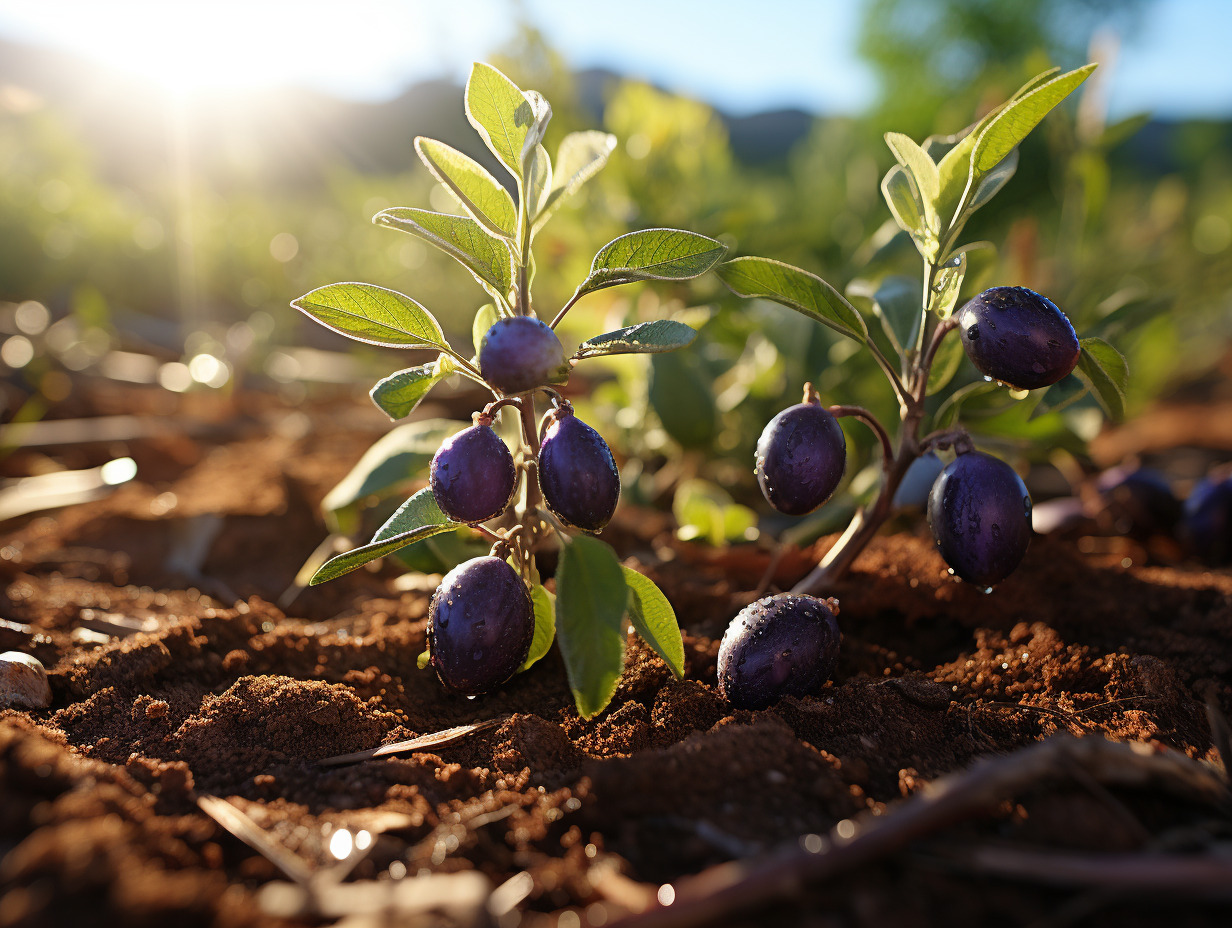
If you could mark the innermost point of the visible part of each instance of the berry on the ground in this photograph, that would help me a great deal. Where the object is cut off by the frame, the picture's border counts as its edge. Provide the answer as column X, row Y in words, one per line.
column 784, row 645
column 1207, row 526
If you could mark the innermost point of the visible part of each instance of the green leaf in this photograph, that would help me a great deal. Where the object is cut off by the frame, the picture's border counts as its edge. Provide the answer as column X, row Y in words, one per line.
column 580, row 157
column 484, row 320
column 477, row 191
column 538, row 180
column 1015, row 122
column 923, row 172
column 806, row 293
column 896, row 304
column 1107, row 374
column 1061, row 395
column 397, row 457
column 591, row 598
column 487, row 258
column 643, row 338
column 419, row 517
column 951, row 410
column 681, row 394
column 654, row 620
column 652, row 254
column 706, row 511
column 946, row 362
column 992, row 182
column 372, row 314
column 399, row 393
column 545, row 625
column 903, row 198
column 500, row 113
column 541, row 113
column 946, row 285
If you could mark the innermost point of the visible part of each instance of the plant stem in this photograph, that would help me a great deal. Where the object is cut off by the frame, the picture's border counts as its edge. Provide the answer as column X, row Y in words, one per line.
column 529, row 515
column 577, row 295
column 894, row 463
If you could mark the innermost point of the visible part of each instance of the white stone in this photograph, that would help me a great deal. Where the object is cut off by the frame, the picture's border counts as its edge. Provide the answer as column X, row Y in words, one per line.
column 23, row 682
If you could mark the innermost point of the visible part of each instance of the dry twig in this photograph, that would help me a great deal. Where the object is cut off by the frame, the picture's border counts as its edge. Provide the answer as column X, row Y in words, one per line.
column 716, row 893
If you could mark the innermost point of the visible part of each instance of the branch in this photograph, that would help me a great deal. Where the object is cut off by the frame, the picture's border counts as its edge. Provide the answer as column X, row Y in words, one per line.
column 859, row 412
column 716, row 894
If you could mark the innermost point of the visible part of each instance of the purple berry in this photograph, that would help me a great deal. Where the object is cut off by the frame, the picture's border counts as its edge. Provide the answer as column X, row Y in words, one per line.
column 980, row 513
column 1207, row 526
column 521, row 353
column 784, row 645
column 1018, row 337
column 472, row 475
column 1139, row 500
column 577, row 473
column 800, row 459
column 480, row 626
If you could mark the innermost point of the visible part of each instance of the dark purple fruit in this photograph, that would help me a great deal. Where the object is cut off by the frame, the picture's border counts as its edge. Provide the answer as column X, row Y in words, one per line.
column 577, row 473
column 784, row 645
column 1207, row 525
column 521, row 353
column 1139, row 501
column 472, row 475
column 1018, row 337
column 980, row 513
column 800, row 458
column 480, row 626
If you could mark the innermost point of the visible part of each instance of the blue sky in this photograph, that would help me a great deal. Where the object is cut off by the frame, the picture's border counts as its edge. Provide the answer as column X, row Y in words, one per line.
column 742, row 56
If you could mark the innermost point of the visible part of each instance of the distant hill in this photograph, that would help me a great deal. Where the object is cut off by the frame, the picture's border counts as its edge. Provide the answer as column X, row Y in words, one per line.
column 292, row 136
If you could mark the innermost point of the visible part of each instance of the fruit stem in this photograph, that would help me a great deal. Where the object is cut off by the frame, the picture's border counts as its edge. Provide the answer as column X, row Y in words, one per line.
column 859, row 412
column 577, row 295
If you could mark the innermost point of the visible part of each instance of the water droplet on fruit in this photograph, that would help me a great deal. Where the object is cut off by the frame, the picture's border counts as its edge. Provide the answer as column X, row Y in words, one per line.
column 950, row 571
column 987, row 378
column 973, row 333
column 477, row 654
column 472, row 698
column 987, row 590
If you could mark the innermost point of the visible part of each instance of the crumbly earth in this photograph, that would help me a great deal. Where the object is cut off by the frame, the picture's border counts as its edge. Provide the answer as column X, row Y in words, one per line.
column 175, row 676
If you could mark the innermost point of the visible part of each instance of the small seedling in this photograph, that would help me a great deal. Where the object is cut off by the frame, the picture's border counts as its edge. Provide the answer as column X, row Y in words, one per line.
column 491, row 616
column 978, row 507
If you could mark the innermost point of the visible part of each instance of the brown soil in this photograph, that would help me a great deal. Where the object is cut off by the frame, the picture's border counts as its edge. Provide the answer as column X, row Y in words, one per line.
column 99, row 822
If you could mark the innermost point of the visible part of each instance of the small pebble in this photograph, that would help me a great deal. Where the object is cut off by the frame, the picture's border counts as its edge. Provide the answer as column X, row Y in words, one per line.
column 23, row 682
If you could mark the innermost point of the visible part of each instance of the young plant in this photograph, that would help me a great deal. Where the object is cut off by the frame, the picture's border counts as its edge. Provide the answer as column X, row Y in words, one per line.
column 979, row 509
column 491, row 616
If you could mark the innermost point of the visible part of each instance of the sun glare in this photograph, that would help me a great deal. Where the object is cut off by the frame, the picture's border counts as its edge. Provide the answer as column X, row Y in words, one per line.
column 363, row 48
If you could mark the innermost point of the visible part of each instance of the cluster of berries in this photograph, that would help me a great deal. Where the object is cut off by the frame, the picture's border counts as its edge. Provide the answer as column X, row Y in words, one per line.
column 481, row 619
column 978, row 507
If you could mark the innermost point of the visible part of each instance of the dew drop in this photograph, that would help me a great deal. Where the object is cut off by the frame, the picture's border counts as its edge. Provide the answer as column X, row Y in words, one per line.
column 987, row 590
column 973, row 333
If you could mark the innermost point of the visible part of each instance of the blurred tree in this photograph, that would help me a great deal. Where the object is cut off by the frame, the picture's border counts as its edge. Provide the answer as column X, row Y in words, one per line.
column 939, row 61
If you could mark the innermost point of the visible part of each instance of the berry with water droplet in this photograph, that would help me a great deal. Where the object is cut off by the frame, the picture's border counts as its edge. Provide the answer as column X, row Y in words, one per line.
column 784, row 645
column 801, row 456
column 1207, row 526
column 980, row 514
column 521, row 353
column 480, row 625
column 577, row 473
column 472, row 475
column 1018, row 337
